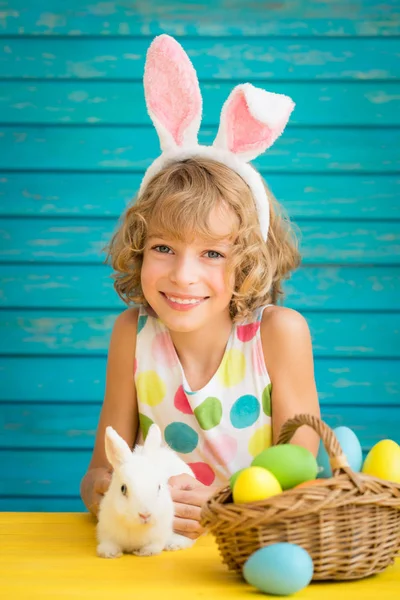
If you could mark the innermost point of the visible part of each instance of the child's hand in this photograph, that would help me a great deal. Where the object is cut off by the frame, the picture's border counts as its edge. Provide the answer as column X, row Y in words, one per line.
column 188, row 496
column 93, row 487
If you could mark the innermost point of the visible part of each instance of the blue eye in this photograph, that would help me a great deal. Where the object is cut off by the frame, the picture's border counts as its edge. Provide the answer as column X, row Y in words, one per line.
column 162, row 249
column 214, row 254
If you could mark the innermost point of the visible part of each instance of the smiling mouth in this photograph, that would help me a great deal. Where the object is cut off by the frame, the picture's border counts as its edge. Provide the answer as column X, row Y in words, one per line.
column 183, row 303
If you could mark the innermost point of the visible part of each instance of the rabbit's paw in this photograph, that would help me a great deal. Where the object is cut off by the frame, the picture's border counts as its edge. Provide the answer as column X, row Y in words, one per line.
column 109, row 550
column 148, row 550
column 178, row 542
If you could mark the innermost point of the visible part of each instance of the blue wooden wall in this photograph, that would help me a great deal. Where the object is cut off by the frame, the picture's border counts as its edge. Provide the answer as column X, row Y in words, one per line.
column 74, row 141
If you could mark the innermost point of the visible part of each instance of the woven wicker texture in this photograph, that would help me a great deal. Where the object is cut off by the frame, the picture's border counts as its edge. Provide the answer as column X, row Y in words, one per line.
column 349, row 524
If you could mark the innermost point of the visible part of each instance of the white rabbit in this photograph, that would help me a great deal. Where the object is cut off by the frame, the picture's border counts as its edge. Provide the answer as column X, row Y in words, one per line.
column 136, row 514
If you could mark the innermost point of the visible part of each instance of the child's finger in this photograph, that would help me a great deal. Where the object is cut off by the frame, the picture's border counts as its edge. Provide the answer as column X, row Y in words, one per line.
column 185, row 511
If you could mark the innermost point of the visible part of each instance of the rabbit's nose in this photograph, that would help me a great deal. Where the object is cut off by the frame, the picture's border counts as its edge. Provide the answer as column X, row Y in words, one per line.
column 144, row 517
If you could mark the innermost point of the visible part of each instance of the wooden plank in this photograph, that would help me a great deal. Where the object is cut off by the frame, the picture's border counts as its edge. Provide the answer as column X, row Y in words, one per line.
column 121, row 103
column 343, row 288
column 359, row 335
column 76, row 379
column 120, row 148
column 71, row 240
column 41, row 472
column 61, row 378
column 63, row 426
column 90, row 286
column 115, row 17
column 40, row 505
column 234, row 59
column 328, row 195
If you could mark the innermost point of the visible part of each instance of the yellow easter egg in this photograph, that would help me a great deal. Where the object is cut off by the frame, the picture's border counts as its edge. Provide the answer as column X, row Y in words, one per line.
column 383, row 461
column 254, row 484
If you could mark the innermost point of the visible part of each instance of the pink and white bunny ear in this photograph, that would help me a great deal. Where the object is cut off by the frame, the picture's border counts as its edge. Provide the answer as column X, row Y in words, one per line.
column 251, row 120
column 172, row 92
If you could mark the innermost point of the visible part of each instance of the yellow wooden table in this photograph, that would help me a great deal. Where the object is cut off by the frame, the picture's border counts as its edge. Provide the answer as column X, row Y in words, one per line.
column 53, row 555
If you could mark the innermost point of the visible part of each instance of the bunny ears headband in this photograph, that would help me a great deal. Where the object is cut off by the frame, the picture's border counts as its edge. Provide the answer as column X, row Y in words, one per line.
column 251, row 119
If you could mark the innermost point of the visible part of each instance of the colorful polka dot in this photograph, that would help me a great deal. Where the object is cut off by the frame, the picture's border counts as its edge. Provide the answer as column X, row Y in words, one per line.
column 266, row 400
column 142, row 320
column 203, row 472
column 209, row 413
column 150, row 388
column 246, row 333
column 232, row 368
column 163, row 350
column 258, row 358
column 145, row 424
column 261, row 439
column 180, row 437
column 221, row 450
column 245, row 411
column 181, row 402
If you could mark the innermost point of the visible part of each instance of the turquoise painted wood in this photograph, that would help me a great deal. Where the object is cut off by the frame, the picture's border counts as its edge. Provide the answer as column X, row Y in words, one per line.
column 359, row 150
column 68, row 426
column 65, row 240
column 65, row 464
column 322, row 288
column 286, row 18
column 74, row 142
column 54, row 378
column 323, row 195
column 343, row 334
column 235, row 59
column 122, row 103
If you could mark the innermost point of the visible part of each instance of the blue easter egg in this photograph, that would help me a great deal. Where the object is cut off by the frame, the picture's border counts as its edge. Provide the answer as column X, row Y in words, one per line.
column 279, row 569
column 351, row 447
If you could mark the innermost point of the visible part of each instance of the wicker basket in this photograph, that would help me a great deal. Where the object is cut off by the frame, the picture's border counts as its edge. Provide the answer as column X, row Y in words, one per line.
column 349, row 524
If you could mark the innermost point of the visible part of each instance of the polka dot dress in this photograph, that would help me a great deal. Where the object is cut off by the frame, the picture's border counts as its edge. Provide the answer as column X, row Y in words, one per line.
column 219, row 428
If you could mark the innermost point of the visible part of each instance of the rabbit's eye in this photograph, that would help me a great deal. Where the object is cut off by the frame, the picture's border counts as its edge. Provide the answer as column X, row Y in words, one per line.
column 124, row 489
column 159, row 488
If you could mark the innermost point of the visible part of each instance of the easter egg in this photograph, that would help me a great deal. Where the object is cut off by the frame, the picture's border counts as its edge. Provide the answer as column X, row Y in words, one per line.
column 314, row 482
column 383, row 461
column 351, row 447
column 291, row 464
column 233, row 478
column 254, row 484
column 279, row 569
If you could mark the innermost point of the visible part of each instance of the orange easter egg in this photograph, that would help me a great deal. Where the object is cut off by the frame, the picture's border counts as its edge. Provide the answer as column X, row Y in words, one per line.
column 309, row 483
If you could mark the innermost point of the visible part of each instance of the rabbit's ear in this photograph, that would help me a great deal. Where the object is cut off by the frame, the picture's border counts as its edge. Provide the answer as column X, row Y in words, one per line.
column 117, row 450
column 153, row 439
column 251, row 120
column 172, row 93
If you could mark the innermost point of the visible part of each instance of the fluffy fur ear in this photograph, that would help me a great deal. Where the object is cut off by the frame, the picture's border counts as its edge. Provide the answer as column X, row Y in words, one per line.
column 251, row 120
column 153, row 439
column 117, row 450
column 172, row 93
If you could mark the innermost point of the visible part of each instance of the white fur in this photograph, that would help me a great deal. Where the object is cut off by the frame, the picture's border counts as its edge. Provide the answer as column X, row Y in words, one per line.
column 120, row 528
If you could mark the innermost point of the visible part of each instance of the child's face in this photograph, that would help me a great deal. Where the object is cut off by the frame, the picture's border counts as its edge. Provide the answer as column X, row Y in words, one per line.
column 187, row 284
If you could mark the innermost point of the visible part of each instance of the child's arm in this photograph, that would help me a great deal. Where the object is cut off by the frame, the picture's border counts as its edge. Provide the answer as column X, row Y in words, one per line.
column 119, row 407
column 288, row 356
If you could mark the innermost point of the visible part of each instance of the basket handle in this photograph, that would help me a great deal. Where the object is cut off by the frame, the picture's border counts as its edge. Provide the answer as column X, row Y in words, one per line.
column 337, row 458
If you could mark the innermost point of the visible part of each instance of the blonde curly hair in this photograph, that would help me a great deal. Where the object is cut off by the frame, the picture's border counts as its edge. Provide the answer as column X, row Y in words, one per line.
column 177, row 202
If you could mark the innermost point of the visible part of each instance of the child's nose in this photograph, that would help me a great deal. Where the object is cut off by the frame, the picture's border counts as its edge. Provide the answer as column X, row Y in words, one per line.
column 184, row 271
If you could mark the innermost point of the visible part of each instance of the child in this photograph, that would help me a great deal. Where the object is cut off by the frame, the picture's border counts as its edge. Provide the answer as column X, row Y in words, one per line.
column 208, row 355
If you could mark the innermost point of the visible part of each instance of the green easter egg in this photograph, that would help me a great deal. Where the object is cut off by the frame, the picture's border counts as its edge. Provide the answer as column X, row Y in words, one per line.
column 291, row 464
column 233, row 478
